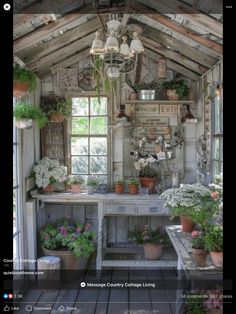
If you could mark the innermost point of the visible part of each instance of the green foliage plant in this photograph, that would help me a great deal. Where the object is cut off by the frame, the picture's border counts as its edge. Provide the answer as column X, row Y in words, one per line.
column 63, row 107
column 92, row 181
column 178, row 85
column 133, row 181
column 214, row 238
column 73, row 179
column 119, row 182
column 24, row 110
column 22, row 75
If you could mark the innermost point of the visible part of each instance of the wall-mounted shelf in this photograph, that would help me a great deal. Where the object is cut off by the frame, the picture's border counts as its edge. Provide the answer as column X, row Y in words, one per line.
column 168, row 102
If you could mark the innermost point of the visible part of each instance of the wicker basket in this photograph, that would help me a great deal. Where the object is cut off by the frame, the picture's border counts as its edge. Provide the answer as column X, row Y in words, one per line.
column 56, row 117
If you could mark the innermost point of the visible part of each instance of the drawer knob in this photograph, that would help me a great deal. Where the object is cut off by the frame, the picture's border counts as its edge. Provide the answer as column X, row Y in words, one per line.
column 153, row 209
column 121, row 208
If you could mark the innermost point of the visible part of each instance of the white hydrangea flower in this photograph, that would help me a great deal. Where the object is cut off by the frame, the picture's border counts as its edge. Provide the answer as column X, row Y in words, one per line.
column 48, row 169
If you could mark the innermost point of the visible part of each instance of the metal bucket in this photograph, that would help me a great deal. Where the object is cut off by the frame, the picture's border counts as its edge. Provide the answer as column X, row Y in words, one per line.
column 147, row 94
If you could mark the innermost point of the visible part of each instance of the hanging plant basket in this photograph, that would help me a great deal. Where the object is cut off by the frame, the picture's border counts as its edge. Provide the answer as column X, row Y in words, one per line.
column 24, row 123
column 56, row 117
column 20, row 89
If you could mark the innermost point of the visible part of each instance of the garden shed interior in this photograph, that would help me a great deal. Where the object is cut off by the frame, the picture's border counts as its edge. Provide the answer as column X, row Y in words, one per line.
column 104, row 111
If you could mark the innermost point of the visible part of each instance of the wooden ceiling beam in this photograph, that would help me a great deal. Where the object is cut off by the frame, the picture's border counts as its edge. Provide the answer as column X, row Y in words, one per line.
column 61, row 54
column 187, row 33
column 204, row 21
column 177, row 45
column 59, row 42
column 177, row 36
column 70, row 61
column 52, row 29
column 172, row 65
column 176, row 57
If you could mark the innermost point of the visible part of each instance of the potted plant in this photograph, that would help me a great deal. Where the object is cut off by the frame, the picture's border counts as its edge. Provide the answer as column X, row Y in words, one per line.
column 91, row 185
column 74, row 182
column 199, row 253
column 119, row 186
column 72, row 241
column 148, row 175
column 47, row 172
column 214, row 243
column 214, row 303
column 175, row 88
column 194, row 303
column 186, row 202
column 25, row 114
column 147, row 91
column 60, row 111
column 23, row 81
column 152, row 240
column 133, row 185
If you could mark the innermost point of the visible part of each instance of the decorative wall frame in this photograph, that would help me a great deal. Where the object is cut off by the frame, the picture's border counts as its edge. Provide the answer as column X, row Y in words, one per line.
column 67, row 78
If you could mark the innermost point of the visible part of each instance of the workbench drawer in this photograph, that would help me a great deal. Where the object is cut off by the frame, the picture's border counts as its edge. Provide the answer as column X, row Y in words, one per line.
column 150, row 209
column 120, row 209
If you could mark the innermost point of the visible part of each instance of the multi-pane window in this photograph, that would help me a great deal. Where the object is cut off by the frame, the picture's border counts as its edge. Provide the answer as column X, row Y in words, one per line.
column 89, row 136
column 217, row 132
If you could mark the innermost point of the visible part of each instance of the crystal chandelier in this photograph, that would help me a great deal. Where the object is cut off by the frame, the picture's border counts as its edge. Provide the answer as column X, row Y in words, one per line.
column 118, row 56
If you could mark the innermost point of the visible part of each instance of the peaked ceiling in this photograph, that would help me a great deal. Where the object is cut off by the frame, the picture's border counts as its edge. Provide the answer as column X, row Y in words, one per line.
column 192, row 41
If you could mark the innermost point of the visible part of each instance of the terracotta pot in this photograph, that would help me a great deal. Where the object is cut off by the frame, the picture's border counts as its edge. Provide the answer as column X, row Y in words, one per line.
column 148, row 183
column 217, row 258
column 119, row 188
column 171, row 94
column 68, row 260
column 20, row 89
column 199, row 257
column 56, row 117
column 49, row 189
column 153, row 251
column 75, row 188
column 133, row 188
column 187, row 224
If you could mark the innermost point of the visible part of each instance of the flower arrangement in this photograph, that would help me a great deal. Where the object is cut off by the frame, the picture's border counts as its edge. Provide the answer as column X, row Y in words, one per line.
column 72, row 179
column 145, row 167
column 142, row 235
column 48, row 171
column 198, row 240
column 214, row 300
column 65, row 235
column 185, row 200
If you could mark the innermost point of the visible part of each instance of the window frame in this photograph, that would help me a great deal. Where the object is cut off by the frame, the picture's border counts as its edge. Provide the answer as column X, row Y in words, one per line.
column 215, row 163
column 75, row 94
column 19, row 232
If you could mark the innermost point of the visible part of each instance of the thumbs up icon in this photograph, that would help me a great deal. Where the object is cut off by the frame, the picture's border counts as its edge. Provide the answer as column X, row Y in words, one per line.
column 6, row 308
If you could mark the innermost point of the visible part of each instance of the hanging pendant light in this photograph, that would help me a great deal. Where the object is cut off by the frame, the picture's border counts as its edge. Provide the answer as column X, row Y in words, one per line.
column 136, row 46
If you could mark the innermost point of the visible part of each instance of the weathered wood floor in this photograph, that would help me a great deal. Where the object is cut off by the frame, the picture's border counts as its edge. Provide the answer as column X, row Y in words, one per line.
column 71, row 298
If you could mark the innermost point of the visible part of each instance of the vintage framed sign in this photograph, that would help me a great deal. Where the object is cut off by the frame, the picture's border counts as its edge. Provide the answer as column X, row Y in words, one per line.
column 172, row 108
